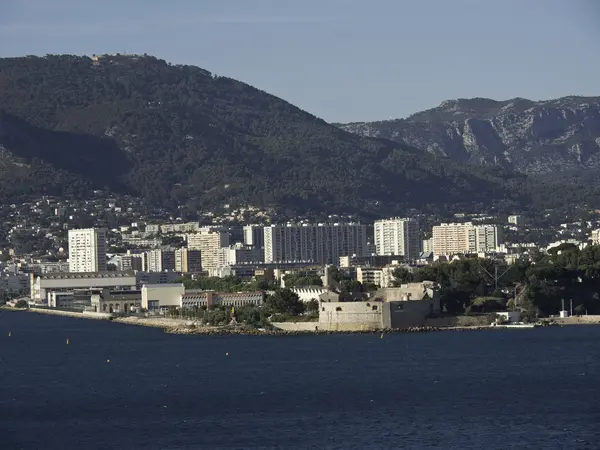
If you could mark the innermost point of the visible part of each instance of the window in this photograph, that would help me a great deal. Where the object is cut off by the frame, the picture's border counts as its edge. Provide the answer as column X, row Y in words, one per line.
column 339, row 308
column 374, row 308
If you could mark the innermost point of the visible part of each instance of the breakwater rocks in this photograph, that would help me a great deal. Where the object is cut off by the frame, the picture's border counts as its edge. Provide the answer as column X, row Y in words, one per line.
column 218, row 331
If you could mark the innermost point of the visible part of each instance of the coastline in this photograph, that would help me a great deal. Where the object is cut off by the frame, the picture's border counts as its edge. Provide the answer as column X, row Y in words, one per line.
column 188, row 327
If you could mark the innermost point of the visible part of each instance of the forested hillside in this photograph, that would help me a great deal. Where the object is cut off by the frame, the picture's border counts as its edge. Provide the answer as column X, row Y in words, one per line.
column 180, row 135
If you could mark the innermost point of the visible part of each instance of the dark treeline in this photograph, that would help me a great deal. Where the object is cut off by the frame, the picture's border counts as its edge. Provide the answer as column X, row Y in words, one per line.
column 540, row 284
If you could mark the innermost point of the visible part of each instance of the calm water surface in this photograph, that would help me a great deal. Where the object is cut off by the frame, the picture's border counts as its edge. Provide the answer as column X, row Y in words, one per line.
column 493, row 389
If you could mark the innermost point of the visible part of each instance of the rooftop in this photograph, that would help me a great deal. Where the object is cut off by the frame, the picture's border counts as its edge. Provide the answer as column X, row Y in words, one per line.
column 83, row 275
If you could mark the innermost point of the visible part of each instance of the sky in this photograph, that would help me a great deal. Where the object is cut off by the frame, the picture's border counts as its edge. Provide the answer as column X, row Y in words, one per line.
column 342, row 60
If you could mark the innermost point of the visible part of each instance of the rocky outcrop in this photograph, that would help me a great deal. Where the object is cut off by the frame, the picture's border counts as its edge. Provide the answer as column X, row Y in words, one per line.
column 523, row 135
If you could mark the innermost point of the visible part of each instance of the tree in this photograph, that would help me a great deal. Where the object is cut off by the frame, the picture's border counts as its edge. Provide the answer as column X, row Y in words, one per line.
column 21, row 304
column 350, row 286
column 402, row 276
column 302, row 279
column 284, row 301
column 312, row 306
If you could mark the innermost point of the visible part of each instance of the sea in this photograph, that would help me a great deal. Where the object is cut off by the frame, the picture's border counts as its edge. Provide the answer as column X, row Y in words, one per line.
column 68, row 383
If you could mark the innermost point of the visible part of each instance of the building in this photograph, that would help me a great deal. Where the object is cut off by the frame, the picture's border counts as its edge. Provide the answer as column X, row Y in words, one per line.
column 367, row 261
column 369, row 275
column 189, row 227
column 157, row 296
column 15, row 284
column 427, row 246
column 160, row 260
column 188, row 261
column 60, row 300
column 254, row 235
column 130, row 261
column 87, row 250
column 112, row 301
column 515, row 220
column 401, row 307
column 596, row 237
column 142, row 278
column 398, row 237
column 486, row 238
column 317, row 244
column 199, row 299
column 66, row 282
column 208, row 242
column 239, row 254
column 308, row 293
column 458, row 238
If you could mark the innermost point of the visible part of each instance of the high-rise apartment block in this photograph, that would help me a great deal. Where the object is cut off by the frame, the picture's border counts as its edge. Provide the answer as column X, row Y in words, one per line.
column 87, row 250
column 160, row 260
column 397, row 237
column 208, row 242
column 456, row 238
column 254, row 235
column 239, row 254
column 188, row 261
column 317, row 244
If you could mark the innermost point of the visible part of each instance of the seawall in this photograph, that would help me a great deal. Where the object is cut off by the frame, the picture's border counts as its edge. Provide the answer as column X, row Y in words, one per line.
column 79, row 315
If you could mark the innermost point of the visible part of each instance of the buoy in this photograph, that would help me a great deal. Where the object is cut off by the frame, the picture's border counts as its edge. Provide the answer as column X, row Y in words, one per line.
column 108, row 360
column 9, row 334
column 67, row 341
column 227, row 354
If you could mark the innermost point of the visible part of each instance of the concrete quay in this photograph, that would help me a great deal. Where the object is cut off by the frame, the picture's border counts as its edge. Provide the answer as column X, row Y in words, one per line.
column 79, row 315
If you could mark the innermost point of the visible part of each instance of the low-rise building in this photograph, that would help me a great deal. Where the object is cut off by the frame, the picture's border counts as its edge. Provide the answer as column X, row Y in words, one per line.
column 60, row 300
column 369, row 275
column 65, row 282
column 199, row 299
column 157, row 296
column 111, row 301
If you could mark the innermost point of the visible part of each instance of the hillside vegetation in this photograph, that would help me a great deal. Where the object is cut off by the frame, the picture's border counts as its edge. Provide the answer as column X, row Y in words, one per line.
column 181, row 135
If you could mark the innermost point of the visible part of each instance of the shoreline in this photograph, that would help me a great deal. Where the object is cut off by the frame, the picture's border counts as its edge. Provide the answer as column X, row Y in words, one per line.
column 190, row 327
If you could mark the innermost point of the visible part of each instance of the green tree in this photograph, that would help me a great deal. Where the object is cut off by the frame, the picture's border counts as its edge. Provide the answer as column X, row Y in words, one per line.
column 402, row 276
column 284, row 301
column 312, row 306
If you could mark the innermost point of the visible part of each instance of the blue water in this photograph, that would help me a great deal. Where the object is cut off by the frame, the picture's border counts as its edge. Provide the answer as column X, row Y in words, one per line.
column 506, row 389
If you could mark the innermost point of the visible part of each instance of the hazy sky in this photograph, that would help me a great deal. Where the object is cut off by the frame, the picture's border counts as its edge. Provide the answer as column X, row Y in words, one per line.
column 343, row 60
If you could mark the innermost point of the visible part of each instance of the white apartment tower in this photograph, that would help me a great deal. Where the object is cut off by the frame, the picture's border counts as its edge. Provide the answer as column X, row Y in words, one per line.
column 397, row 237
column 87, row 250
column 455, row 238
column 317, row 244
column 209, row 242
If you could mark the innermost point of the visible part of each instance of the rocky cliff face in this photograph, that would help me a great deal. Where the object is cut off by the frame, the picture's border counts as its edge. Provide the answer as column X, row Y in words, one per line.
column 524, row 135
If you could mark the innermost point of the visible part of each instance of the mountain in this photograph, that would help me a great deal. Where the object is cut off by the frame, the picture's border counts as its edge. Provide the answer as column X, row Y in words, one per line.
column 533, row 137
column 179, row 135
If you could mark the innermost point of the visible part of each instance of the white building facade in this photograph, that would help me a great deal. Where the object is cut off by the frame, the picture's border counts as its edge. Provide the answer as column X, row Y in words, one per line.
column 397, row 237
column 209, row 242
column 87, row 250
column 458, row 238
column 314, row 243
